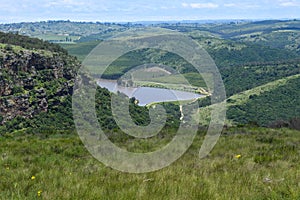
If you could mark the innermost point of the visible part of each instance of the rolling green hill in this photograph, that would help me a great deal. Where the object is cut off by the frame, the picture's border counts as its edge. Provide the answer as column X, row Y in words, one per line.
column 249, row 55
column 242, row 66
column 244, row 62
column 262, row 105
column 80, row 50
column 41, row 157
column 281, row 34
column 61, row 31
column 278, row 100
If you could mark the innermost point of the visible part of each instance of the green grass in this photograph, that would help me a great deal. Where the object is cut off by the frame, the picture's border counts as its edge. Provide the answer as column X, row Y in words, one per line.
column 18, row 49
column 194, row 79
column 80, row 50
column 269, row 168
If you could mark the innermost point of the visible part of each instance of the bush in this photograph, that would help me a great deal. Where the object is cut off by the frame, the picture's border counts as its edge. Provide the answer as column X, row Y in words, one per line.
column 295, row 123
column 8, row 47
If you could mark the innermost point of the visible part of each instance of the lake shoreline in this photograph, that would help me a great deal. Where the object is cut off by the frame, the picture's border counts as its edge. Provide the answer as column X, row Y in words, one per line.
column 149, row 95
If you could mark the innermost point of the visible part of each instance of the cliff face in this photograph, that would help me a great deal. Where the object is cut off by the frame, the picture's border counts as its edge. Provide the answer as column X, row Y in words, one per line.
column 33, row 81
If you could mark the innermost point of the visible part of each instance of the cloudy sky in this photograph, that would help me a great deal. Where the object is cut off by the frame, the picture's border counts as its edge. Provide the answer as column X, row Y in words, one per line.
column 145, row 10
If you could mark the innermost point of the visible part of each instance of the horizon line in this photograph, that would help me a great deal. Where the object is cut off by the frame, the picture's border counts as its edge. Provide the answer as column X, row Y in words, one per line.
column 153, row 21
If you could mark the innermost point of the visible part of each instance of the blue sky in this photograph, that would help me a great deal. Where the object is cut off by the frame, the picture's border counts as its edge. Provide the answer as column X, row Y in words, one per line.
column 145, row 10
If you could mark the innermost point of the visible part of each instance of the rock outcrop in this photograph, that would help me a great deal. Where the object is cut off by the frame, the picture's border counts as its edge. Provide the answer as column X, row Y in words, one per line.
column 32, row 81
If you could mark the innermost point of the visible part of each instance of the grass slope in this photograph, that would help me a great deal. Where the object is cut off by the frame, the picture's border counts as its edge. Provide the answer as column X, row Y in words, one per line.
column 59, row 167
column 80, row 50
column 277, row 100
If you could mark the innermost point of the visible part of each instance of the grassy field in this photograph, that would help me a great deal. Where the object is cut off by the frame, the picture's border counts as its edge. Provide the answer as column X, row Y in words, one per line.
column 246, row 163
column 80, row 50
column 194, row 79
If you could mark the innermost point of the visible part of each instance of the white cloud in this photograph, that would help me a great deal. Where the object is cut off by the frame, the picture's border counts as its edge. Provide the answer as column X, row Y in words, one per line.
column 241, row 5
column 200, row 5
column 230, row 5
column 289, row 3
column 64, row 3
column 167, row 7
column 185, row 5
column 204, row 5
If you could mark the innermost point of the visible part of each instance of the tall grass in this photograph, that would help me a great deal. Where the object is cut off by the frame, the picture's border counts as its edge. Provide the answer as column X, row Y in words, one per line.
column 59, row 167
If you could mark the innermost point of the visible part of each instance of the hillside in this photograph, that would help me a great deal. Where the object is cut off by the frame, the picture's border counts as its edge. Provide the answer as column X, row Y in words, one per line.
column 243, row 66
column 273, row 33
column 246, row 163
column 275, row 101
column 281, row 34
column 36, row 81
column 245, row 63
column 36, row 84
column 265, row 105
column 43, row 158
column 62, row 31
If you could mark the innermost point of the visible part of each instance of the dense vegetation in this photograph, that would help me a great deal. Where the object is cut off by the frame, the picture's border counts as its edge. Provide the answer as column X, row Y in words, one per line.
column 29, row 43
column 36, row 77
column 139, row 114
column 241, row 78
column 268, row 106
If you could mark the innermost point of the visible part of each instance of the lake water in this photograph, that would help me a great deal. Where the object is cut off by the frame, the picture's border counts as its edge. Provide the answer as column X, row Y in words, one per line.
column 147, row 95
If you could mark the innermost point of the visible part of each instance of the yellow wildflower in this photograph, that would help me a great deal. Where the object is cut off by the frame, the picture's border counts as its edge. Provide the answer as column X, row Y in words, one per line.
column 238, row 156
column 39, row 193
column 33, row 177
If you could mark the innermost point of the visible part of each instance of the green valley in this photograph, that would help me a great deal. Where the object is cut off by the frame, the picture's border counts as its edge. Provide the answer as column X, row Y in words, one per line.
column 42, row 156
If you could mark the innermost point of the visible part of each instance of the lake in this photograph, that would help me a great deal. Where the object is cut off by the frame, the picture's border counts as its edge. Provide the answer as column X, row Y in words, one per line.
column 147, row 95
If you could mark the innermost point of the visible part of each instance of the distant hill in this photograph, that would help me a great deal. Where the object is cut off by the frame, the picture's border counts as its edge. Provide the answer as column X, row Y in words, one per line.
column 281, row 34
column 242, row 65
column 61, row 31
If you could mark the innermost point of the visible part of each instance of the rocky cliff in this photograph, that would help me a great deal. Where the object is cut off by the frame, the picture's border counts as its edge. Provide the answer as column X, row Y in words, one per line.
column 33, row 81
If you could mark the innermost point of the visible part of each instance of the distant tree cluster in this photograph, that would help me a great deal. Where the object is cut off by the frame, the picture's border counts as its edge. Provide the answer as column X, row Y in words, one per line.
column 293, row 124
column 29, row 43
